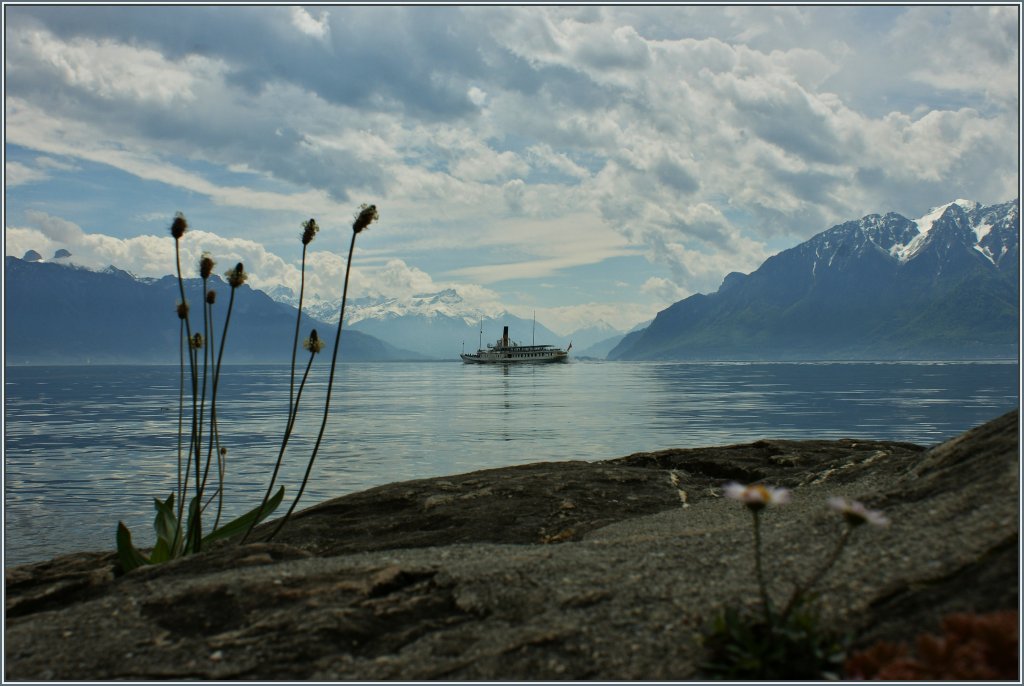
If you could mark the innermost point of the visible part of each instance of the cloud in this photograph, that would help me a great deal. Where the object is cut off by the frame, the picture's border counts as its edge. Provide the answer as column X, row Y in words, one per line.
column 17, row 174
column 664, row 290
column 568, row 318
column 974, row 50
column 314, row 28
column 153, row 256
column 531, row 139
column 148, row 255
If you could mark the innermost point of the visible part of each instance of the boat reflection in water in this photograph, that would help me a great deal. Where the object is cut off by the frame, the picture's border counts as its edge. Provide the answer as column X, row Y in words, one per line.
column 505, row 351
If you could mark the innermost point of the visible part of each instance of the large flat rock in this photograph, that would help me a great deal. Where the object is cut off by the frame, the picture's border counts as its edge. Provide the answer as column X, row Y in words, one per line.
column 569, row 570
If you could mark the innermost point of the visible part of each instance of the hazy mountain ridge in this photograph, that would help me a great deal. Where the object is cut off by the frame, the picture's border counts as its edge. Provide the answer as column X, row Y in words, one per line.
column 64, row 314
column 881, row 287
column 441, row 324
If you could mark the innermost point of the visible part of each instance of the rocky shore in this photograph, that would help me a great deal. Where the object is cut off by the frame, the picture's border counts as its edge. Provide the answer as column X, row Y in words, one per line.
column 569, row 570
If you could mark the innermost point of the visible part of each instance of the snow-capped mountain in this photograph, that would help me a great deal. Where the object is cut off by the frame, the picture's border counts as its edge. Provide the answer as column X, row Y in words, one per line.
column 941, row 286
column 439, row 325
column 447, row 303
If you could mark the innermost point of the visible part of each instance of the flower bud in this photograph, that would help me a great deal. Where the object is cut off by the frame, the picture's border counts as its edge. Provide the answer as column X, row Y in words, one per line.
column 182, row 310
column 367, row 215
column 211, row 297
column 178, row 226
column 237, row 276
column 313, row 344
column 309, row 230
column 206, row 265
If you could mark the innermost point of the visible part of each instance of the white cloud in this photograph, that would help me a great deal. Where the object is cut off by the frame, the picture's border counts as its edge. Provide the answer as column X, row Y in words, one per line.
column 565, row 319
column 477, row 96
column 315, row 28
column 539, row 138
column 109, row 70
column 664, row 290
column 975, row 50
column 17, row 174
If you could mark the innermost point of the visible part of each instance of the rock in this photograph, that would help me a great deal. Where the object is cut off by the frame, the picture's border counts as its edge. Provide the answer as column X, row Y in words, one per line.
column 61, row 253
column 32, row 256
column 570, row 570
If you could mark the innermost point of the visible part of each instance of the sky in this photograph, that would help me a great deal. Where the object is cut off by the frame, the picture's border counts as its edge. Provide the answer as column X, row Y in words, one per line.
column 588, row 163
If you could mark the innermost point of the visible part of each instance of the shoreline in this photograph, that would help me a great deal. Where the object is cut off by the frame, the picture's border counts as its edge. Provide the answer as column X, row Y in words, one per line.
column 568, row 570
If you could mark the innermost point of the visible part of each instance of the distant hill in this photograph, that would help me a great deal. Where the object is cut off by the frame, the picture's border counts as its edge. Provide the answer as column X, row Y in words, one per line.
column 435, row 325
column 944, row 286
column 62, row 314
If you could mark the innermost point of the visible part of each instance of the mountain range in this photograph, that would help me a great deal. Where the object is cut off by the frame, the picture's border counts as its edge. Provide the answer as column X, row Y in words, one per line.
column 440, row 325
column 62, row 314
column 945, row 286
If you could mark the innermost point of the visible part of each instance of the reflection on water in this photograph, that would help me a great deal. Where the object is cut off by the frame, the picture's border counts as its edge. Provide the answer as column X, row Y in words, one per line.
column 87, row 446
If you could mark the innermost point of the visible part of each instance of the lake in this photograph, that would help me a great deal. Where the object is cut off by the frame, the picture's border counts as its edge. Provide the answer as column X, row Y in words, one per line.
column 88, row 446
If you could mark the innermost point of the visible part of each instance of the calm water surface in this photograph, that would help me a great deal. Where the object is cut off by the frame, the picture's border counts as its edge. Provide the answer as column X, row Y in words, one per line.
column 87, row 446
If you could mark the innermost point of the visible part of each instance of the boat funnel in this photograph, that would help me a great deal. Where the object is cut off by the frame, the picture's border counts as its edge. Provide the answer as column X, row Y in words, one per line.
column 504, row 337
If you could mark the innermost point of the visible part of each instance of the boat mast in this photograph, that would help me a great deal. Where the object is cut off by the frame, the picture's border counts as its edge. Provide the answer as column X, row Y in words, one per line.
column 535, row 327
column 481, row 346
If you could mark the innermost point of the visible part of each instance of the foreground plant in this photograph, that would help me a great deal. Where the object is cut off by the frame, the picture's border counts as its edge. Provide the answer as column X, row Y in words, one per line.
column 178, row 527
column 367, row 215
column 793, row 643
column 972, row 647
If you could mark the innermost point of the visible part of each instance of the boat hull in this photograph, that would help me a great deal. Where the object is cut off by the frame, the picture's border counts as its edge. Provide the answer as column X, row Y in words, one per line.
column 490, row 357
column 506, row 351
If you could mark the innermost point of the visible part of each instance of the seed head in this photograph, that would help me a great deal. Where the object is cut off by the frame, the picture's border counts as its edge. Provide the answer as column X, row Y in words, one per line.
column 309, row 230
column 179, row 225
column 367, row 215
column 211, row 297
column 313, row 344
column 182, row 310
column 206, row 265
column 196, row 341
column 237, row 276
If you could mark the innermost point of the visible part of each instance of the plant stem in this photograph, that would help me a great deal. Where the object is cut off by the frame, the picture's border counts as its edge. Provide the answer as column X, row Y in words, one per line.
column 284, row 444
column 201, row 474
column 214, row 441
column 298, row 322
column 330, row 385
column 757, row 567
column 192, row 370
column 181, row 400
column 213, row 394
column 833, row 557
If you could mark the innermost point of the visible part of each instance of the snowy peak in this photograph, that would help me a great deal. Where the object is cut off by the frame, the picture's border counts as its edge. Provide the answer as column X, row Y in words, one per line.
column 943, row 286
column 998, row 231
column 991, row 231
column 446, row 304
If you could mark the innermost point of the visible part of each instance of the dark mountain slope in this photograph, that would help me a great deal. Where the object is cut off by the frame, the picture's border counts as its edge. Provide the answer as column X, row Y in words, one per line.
column 882, row 287
column 58, row 314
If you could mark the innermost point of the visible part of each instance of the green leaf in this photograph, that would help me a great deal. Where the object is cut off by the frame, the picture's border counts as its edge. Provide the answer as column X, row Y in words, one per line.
column 161, row 553
column 128, row 555
column 166, row 525
column 240, row 525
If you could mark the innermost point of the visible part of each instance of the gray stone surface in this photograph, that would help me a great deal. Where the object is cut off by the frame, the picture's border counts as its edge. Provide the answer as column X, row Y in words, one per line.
column 571, row 570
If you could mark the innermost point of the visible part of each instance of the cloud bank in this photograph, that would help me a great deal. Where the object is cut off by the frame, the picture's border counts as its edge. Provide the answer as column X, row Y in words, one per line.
column 518, row 143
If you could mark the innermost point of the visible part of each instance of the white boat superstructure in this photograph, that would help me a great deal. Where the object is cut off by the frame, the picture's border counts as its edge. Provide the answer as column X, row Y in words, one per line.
column 505, row 351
